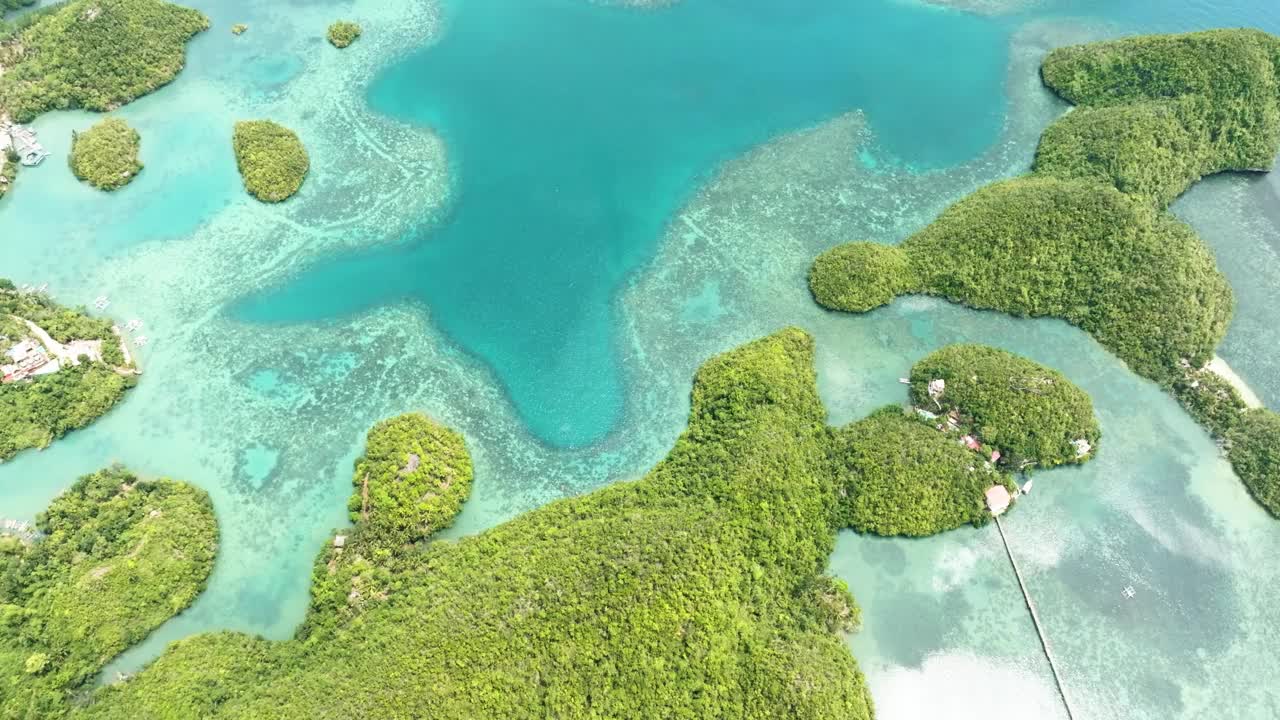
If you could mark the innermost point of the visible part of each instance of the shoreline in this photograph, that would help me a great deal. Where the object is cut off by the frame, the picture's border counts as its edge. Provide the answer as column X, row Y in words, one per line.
column 1219, row 367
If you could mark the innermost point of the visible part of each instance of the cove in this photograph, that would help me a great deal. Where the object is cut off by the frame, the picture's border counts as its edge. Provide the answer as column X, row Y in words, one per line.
column 576, row 131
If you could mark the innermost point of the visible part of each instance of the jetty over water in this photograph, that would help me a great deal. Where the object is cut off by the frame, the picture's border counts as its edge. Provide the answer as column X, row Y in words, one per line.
column 24, row 143
column 1035, row 619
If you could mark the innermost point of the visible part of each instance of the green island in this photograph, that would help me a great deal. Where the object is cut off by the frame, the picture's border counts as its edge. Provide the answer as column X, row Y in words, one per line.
column 411, row 481
column 92, row 54
column 697, row 591
column 979, row 415
column 1086, row 236
column 239, row 29
column 106, row 155
column 271, row 158
column 60, row 368
column 342, row 33
column 110, row 560
column 1033, row 416
column 718, row 552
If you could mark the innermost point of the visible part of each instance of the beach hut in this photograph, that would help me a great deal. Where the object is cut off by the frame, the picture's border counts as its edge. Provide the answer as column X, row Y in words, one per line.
column 998, row 499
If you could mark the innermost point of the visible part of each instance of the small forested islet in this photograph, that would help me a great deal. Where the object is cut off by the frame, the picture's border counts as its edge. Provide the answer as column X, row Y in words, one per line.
column 1032, row 415
column 342, row 33
column 106, row 155
column 272, row 160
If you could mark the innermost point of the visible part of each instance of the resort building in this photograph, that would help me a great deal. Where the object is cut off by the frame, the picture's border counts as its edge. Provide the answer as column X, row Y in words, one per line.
column 998, row 499
column 29, row 359
column 24, row 144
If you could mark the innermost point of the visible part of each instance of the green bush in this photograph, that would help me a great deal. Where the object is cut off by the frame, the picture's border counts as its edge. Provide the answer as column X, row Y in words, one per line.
column 1033, row 415
column 343, row 33
column 1254, row 452
column 904, row 477
column 860, row 276
column 106, row 155
column 271, row 159
column 695, row 592
column 93, row 54
column 119, row 556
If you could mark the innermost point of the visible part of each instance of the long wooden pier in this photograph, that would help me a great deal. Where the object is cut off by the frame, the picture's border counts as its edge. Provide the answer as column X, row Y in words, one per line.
column 1035, row 619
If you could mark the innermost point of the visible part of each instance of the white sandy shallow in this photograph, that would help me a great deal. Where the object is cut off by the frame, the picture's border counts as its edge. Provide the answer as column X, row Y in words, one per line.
column 1219, row 367
column 963, row 686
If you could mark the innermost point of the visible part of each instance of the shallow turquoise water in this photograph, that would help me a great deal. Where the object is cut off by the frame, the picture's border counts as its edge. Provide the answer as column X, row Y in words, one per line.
column 670, row 238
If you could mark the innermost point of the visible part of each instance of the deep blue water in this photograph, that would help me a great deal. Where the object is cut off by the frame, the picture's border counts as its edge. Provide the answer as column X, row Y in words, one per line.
column 575, row 131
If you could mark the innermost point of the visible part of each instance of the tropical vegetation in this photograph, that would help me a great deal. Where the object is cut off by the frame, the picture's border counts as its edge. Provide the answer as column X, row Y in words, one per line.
column 106, row 155
column 1033, row 416
column 903, row 476
column 410, row 483
column 8, row 171
column 1087, row 237
column 343, row 33
column 92, row 54
column 697, row 591
column 36, row 411
column 271, row 158
column 117, row 556
column 412, row 479
column 1255, row 454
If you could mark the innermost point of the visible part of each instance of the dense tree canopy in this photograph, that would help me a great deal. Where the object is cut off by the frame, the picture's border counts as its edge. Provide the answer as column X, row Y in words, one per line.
column 1254, row 451
column 93, row 54
column 412, row 479
column 883, row 272
column 903, row 476
column 118, row 557
column 1086, row 237
column 1139, row 281
column 35, row 412
column 695, row 592
column 271, row 158
column 410, row 483
column 1033, row 415
column 106, row 155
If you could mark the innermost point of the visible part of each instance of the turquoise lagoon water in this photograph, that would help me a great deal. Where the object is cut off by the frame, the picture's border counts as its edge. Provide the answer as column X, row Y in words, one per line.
column 534, row 220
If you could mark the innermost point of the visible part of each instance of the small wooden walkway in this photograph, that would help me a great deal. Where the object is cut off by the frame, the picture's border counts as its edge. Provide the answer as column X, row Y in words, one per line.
column 1035, row 619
